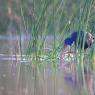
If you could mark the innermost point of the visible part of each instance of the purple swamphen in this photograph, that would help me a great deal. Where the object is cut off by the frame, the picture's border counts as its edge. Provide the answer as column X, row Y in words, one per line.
column 79, row 40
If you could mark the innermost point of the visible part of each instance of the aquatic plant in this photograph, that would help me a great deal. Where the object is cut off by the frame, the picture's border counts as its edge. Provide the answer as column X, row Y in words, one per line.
column 51, row 22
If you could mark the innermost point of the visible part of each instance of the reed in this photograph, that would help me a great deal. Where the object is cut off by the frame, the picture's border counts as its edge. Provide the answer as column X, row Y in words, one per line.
column 57, row 19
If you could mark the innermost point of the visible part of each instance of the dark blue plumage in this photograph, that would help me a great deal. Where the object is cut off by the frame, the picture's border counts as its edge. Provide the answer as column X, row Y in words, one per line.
column 68, row 41
column 79, row 38
column 71, row 39
column 74, row 36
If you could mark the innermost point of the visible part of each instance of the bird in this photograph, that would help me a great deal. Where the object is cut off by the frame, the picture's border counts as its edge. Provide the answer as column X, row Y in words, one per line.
column 79, row 39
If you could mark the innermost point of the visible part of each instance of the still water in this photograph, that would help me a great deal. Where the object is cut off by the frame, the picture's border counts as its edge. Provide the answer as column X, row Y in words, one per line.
column 23, row 78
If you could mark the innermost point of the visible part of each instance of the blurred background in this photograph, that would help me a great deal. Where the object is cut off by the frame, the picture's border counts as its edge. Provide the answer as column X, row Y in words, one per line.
column 32, row 33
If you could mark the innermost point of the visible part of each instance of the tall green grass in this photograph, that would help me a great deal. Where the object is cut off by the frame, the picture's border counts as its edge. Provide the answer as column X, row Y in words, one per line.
column 57, row 18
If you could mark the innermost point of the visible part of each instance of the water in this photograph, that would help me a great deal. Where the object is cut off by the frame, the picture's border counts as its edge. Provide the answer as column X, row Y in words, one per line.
column 22, row 79
column 19, row 77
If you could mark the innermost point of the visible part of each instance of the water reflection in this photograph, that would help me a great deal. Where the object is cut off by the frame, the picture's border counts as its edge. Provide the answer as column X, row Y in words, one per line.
column 20, row 77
